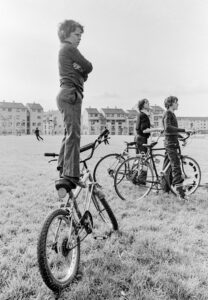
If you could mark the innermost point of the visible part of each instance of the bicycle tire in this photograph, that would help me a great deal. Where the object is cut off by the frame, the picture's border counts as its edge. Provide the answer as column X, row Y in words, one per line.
column 131, row 186
column 48, row 268
column 105, row 169
column 102, row 206
column 192, row 175
column 162, row 182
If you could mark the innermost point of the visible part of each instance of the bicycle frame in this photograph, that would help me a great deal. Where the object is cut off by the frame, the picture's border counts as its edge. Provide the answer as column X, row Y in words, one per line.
column 71, row 203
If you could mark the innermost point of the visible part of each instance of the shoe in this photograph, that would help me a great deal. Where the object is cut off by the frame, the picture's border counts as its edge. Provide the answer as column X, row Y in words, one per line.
column 75, row 181
column 181, row 192
column 64, row 183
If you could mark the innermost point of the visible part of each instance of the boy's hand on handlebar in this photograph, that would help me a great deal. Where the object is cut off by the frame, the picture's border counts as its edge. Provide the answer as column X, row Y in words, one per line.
column 189, row 131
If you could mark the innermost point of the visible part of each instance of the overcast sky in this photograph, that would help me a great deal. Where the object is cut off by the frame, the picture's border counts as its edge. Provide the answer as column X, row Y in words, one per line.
column 138, row 48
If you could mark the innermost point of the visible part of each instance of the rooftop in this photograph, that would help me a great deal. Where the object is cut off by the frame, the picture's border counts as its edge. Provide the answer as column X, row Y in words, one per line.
column 193, row 118
column 34, row 106
column 113, row 110
column 13, row 104
column 92, row 110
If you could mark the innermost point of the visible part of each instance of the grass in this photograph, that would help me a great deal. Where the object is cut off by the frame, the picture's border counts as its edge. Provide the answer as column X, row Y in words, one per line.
column 160, row 251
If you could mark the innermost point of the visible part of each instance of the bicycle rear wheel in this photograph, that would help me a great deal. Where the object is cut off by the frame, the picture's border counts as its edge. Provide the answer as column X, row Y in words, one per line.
column 105, row 169
column 191, row 173
column 137, row 179
column 58, row 250
column 105, row 220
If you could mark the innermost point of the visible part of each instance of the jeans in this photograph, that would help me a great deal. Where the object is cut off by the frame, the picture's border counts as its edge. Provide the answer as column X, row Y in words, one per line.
column 172, row 155
column 69, row 102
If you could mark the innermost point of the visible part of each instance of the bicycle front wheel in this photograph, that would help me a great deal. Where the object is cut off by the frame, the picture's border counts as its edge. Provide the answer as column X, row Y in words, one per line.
column 105, row 169
column 58, row 250
column 137, row 179
column 105, row 220
column 191, row 174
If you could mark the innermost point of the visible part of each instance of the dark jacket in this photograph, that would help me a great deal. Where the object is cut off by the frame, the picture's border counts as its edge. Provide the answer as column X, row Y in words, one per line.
column 171, row 129
column 143, row 122
column 68, row 54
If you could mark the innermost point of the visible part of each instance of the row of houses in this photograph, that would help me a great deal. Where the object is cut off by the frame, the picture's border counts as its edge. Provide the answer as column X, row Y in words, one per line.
column 16, row 118
column 117, row 120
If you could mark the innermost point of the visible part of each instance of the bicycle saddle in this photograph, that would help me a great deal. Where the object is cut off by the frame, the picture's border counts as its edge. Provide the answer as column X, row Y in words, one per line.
column 150, row 145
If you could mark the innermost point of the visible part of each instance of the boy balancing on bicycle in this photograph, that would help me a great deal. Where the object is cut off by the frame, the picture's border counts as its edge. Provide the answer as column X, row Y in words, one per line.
column 73, row 71
column 171, row 132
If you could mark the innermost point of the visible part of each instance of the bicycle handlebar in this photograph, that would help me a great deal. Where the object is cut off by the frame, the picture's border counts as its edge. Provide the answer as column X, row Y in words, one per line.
column 51, row 154
column 184, row 139
column 91, row 146
column 188, row 134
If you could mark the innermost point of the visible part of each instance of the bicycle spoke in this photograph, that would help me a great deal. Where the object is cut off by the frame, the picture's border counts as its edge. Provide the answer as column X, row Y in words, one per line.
column 58, row 250
column 133, row 179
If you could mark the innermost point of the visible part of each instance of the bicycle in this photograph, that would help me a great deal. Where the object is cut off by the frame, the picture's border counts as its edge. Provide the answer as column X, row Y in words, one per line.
column 108, row 165
column 64, row 229
column 129, row 182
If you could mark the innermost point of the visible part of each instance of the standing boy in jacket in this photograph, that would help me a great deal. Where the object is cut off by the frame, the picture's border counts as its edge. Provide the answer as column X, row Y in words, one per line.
column 73, row 72
column 171, row 131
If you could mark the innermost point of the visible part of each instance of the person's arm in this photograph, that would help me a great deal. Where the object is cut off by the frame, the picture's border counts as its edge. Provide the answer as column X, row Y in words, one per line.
column 78, row 68
column 138, row 122
column 149, row 130
column 145, row 123
column 82, row 63
column 169, row 127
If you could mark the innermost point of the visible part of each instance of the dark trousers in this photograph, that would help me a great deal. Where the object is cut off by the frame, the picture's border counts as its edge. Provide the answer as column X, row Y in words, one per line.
column 38, row 137
column 139, row 141
column 172, row 155
column 69, row 102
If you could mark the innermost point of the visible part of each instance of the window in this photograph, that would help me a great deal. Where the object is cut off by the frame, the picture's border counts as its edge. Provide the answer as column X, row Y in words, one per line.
column 39, row 110
column 38, row 117
column 33, row 124
column 9, row 109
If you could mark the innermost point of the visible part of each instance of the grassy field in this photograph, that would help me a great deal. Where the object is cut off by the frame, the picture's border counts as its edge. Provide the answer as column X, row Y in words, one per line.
column 160, row 251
